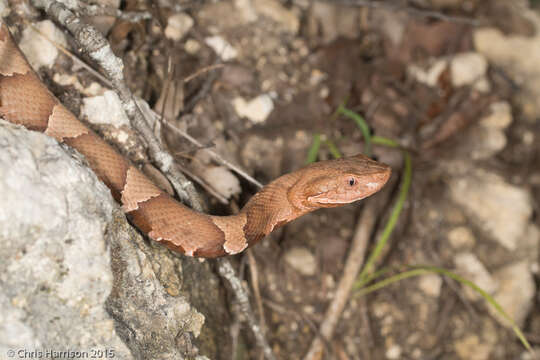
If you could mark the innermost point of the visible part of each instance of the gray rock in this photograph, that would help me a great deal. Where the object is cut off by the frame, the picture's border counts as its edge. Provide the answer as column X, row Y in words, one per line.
column 516, row 291
column 104, row 109
column 75, row 275
column 518, row 57
column 499, row 208
column 38, row 50
column 488, row 137
column 469, row 69
column 54, row 261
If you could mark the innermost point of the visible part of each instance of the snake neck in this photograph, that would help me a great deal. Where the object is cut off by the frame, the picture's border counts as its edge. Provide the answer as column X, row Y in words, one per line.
column 269, row 208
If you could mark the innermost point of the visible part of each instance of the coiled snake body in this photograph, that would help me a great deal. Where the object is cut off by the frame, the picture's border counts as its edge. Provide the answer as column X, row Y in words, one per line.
column 25, row 100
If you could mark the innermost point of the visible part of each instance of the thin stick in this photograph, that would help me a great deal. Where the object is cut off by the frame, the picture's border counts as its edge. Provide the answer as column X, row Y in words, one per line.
column 214, row 155
column 100, row 51
column 227, row 272
column 202, row 71
column 256, row 288
column 206, row 186
column 180, row 132
column 69, row 54
column 354, row 262
column 98, row 48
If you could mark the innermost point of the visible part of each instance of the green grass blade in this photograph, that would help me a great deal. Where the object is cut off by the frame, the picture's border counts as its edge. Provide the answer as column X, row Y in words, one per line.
column 361, row 123
column 394, row 216
column 390, row 280
column 360, row 283
column 333, row 149
column 422, row 270
column 380, row 140
column 486, row 297
column 314, row 149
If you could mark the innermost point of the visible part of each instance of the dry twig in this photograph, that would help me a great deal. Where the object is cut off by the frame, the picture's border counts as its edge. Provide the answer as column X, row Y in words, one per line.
column 99, row 50
column 227, row 272
column 218, row 158
column 352, row 267
column 256, row 288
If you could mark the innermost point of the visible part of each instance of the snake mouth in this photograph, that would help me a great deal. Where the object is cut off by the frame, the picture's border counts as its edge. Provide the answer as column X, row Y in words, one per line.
column 331, row 198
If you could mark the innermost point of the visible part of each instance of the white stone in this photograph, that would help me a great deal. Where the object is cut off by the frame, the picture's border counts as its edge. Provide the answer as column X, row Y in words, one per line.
column 516, row 291
column 256, row 110
column 472, row 269
column 393, row 352
column 429, row 76
column 38, row 50
column 106, row 109
column 94, row 89
column 518, row 56
column 301, row 260
column 192, row 46
column 467, row 68
column 222, row 180
column 500, row 116
column 178, row 26
column 461, row 237
column 277, row 12
column 488, row 137
column 519, row 51
column 225, row 50
column 482, row 85
column 489, row 141
column 430, row 285
column 499, row 208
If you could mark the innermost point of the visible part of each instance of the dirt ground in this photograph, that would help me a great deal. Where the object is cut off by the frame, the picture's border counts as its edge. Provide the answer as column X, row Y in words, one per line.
column 454, row 82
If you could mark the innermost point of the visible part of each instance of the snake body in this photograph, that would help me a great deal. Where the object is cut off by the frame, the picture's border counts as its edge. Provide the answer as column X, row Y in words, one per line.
column 25, row 100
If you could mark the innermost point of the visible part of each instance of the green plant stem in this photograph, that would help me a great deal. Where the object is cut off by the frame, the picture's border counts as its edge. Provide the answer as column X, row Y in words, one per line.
column 333, row 149
column 423, row 270
column 314, row 149
column 361, row 123
column 394, row 216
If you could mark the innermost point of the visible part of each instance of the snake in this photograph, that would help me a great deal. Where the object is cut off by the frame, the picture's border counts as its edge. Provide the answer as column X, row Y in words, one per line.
column 26, row 100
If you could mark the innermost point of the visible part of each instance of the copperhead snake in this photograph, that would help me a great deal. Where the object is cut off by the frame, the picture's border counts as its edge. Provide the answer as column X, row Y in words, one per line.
column 25, row 100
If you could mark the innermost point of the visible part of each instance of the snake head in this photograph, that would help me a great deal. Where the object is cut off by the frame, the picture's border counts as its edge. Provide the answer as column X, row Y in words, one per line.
column 337, row 182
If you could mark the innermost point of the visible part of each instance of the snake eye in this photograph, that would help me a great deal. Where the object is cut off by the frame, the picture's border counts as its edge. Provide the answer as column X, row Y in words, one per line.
column 352, row 181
